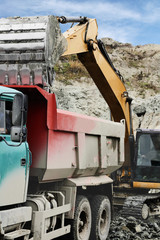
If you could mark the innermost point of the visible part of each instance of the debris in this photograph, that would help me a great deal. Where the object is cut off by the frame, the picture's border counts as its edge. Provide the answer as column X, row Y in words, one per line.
column 132, row 228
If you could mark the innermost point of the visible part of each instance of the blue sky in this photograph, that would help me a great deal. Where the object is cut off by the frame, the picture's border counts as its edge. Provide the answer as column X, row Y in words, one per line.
column 133, row 21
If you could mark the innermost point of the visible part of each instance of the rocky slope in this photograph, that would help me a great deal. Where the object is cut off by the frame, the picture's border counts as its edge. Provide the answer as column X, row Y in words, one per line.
column 139, row 65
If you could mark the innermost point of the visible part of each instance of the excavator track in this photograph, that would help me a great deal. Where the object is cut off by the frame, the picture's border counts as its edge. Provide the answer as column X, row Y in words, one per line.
column 133, row 206
column 140, row 206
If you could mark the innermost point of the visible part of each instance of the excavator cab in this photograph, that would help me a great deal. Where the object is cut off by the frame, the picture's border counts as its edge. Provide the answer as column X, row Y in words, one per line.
column 147, row 156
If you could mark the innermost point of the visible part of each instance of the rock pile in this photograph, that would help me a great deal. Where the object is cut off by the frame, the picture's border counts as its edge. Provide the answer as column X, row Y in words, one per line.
column 132, row 228
column 85, row 98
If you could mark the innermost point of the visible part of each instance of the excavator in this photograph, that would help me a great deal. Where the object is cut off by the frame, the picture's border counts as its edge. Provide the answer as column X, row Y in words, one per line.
column 138, row 179
column 71, row 156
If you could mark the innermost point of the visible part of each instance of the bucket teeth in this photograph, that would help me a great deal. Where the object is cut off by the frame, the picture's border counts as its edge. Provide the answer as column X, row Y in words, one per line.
column 29, row 48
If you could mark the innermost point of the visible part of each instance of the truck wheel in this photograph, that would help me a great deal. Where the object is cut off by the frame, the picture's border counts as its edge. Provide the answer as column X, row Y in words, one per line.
column 101, row 217
column 81, row 225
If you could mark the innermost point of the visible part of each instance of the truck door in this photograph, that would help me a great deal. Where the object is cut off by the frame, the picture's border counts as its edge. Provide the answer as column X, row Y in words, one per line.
column 14, row 162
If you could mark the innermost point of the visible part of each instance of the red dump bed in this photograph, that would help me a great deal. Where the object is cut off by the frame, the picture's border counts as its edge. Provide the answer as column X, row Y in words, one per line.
column 65, row 144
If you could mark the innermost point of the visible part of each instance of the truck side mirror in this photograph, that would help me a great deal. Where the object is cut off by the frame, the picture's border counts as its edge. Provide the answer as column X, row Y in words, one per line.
column 19, row 110
column 19, row 118
column 16, row 134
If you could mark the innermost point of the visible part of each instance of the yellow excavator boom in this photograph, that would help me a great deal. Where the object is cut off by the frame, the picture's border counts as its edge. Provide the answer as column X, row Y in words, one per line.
column 82, row 40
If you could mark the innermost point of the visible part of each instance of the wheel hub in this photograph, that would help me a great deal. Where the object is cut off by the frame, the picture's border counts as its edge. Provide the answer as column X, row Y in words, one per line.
column 103, row 221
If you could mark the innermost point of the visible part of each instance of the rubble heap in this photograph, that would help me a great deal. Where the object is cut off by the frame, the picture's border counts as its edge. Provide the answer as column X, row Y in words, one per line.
column 132, row 228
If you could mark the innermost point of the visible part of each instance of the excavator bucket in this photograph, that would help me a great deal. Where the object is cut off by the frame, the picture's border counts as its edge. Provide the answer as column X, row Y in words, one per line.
column 29, row 49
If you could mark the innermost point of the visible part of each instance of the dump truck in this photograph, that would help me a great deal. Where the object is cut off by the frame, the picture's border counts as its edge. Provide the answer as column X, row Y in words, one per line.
column 55, row 164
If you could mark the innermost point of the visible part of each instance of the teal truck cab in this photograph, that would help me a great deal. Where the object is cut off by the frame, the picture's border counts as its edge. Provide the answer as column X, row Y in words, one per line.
column 15, row 157
column 15, row 160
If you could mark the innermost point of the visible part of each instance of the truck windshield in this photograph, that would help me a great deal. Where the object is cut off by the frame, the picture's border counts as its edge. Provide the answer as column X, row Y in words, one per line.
column 148, row 157
column 5, row 117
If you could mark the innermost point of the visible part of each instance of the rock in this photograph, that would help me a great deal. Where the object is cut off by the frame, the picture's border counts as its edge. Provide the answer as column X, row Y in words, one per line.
column 131, row 218
column 125, row 228
column 140, row 110
column 156, row 227
column 138, row 228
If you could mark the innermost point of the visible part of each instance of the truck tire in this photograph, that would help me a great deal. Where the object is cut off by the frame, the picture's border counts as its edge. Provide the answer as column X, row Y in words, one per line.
column 81, row 225
column 101, row 217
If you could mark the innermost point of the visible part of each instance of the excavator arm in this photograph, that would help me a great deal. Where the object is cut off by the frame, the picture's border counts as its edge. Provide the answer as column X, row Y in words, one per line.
column 144, row 163
column 82, row 40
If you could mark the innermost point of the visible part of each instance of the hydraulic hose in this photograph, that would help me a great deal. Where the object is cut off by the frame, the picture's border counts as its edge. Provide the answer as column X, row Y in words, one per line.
column 106, row 56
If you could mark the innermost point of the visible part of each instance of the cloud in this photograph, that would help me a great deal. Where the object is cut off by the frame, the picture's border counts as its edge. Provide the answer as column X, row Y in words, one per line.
column 104, row 10
column 152, row 10
column 121, row 20
column 122, row 34
column 101, row 9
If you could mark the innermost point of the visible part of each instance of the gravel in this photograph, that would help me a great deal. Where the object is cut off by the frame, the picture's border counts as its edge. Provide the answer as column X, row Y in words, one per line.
column 132, row 228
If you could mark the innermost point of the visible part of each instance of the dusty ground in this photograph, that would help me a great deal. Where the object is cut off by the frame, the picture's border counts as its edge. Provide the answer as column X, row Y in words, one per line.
column 131, row 228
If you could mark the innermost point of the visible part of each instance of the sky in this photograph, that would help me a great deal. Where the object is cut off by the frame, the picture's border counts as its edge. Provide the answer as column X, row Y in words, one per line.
column 128, row 21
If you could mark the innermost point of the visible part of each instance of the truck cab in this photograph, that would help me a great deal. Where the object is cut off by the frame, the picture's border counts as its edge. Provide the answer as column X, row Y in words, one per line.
column 14, row 157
